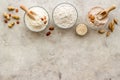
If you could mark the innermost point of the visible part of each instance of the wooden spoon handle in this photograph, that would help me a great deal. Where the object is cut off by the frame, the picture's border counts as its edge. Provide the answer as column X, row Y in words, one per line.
column 27, row 12
column 24, row 8
column 111, row 8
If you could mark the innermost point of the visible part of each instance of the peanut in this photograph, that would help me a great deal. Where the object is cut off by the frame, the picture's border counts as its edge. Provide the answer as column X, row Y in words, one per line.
column 11, row 24
column 16, row 17
column 11, row 8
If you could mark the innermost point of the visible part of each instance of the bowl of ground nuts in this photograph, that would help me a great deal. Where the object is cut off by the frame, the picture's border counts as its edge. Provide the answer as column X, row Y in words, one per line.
column 93, row 21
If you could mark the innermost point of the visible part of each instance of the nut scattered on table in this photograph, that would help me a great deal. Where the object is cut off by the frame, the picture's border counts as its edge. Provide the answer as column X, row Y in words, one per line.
column 48, row 33
column 10, row 25
column 6, row 16
column 101, row 31
column 17, row 22
column 116, row 21
column 15, row 17
column 108, row 34
column 111, row 26
column 11, row 8
column 5, row 21
column 16, row 10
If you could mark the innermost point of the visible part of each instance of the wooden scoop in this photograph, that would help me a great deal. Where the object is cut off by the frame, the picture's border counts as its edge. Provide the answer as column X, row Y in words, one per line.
column 28, row 12
column 102, row 14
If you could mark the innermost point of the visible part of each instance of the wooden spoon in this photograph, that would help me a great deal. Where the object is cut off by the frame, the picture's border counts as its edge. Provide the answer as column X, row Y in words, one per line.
column 102, row 14
column 28, row 12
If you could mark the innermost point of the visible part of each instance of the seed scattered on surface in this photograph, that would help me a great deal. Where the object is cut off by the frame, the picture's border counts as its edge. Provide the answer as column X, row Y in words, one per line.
column 111, row 26
column 48, row 33
column 16, row 10
column 102, row 31
column 5, row 21
column 17, row 22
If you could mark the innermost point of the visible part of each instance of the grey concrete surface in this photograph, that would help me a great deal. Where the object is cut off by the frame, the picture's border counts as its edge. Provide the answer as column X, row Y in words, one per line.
column 25, row 55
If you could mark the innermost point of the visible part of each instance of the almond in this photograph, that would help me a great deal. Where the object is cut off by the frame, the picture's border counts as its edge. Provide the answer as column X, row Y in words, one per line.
column 11, row 8
column 116, row 21
column 102, row 31
column 108, row 34
column 5, row 21
column 111, row 26
column 15, row 17
column 48, row 33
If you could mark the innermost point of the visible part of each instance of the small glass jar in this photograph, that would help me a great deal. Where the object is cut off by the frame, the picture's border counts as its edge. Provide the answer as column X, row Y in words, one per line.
column 43, row 11
column 95, row 23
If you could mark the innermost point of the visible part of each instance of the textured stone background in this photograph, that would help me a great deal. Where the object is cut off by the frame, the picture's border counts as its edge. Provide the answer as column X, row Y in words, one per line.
column 25, row 55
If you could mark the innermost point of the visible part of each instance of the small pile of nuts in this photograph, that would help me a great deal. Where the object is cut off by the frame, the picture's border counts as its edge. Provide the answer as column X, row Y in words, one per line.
column 51, row 28
column 111, row 27
column 9, row 16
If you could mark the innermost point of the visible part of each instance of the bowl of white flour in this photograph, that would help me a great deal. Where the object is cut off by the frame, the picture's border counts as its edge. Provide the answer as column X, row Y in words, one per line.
column 41, row 19
column 96, row 23
column 65, row 15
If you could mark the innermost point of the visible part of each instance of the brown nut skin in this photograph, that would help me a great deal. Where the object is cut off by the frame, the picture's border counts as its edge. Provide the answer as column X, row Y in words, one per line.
column 116, row 21
column 11, row 8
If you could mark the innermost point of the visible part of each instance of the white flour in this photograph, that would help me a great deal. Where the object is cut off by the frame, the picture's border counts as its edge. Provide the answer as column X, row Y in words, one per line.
column 37, row 24
column 65, row 15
